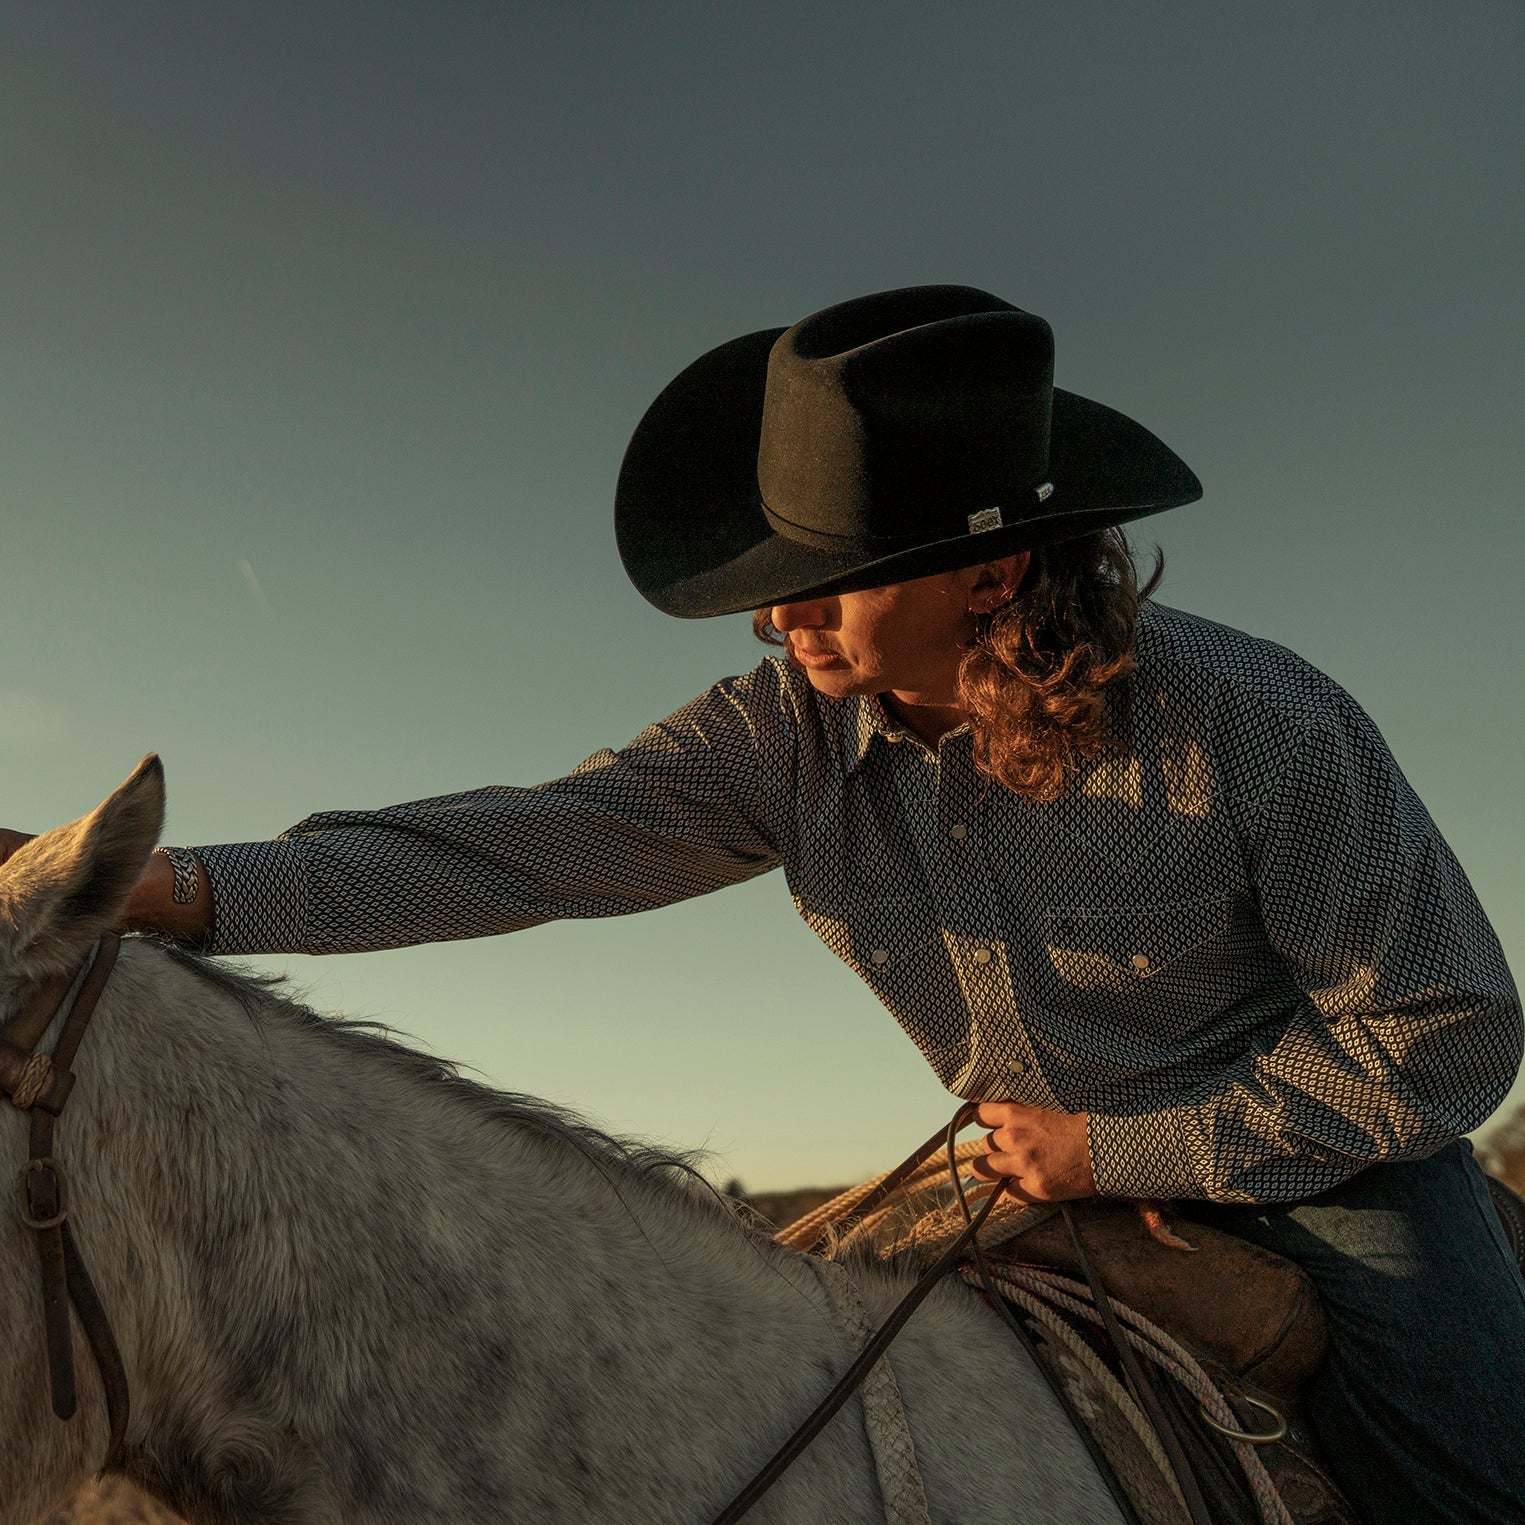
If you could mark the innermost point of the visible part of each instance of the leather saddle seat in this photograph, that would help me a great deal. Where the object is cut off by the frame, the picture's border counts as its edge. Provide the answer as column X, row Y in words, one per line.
column 1252, row 1319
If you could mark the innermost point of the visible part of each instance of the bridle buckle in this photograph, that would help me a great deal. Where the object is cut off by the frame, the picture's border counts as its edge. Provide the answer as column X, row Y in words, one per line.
column 42, row 1193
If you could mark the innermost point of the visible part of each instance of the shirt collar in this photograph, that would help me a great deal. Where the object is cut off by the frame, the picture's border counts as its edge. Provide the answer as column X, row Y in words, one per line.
column 875, row 725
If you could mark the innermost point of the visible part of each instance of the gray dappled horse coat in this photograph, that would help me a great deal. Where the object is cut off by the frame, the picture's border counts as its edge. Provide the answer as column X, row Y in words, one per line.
column 351, row 1286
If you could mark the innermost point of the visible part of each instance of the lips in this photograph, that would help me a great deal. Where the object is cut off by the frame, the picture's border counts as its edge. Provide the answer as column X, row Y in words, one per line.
column 813, row 659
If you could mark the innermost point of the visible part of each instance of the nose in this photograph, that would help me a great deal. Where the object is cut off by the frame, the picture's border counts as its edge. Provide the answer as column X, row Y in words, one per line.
column 803, row 616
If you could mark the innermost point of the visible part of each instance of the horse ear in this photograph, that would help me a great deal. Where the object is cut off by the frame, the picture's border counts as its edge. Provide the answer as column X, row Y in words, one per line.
column 62, row 889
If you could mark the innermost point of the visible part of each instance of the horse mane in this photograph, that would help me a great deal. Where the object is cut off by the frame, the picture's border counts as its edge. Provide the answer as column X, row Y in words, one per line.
column 263, row 995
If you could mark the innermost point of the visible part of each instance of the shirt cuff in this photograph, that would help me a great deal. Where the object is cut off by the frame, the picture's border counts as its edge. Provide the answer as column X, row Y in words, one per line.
column 1144, row 1155
column 259, row 896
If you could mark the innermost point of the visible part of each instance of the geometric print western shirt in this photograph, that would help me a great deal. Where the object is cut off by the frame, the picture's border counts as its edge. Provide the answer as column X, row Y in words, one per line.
column 1236, row 940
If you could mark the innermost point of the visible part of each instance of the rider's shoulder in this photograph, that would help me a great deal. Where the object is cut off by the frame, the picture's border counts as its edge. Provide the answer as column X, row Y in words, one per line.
column 1199, row 661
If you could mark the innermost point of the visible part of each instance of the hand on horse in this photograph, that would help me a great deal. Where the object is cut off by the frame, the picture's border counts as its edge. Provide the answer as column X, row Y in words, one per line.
column 151, row 906
column 1045, row 1154
column 11, row 840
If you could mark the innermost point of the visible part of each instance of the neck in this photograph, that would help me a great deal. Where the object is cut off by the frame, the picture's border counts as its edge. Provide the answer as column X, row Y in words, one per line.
column 928, row 718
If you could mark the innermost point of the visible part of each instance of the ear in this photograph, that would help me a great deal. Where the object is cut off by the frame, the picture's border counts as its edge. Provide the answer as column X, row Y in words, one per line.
column 993, row 584
column 61, row 890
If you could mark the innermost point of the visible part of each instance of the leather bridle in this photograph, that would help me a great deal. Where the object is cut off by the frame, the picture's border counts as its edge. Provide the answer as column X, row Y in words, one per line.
column 39, row 1084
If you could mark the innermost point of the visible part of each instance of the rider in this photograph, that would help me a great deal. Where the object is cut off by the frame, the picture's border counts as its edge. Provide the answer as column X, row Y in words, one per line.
column 1150, row 889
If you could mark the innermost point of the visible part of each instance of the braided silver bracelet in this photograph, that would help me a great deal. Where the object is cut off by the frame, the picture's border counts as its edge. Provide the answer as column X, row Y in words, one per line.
column 187, row 872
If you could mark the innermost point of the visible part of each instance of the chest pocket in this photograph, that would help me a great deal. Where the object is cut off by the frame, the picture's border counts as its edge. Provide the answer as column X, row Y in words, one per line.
column 1170, row 963
column 889, row 941
column 897, row 949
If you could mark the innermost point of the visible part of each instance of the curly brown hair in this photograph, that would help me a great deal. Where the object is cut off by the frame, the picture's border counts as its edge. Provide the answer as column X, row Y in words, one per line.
column 1033, row 679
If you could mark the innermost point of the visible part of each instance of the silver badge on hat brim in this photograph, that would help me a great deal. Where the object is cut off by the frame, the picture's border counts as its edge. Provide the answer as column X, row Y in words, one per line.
column 985, row 519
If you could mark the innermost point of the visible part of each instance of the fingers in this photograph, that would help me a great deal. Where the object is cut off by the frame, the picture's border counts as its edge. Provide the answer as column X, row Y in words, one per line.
column 1005, row 1154
column 1011, row 1126
column 997, row 1164
column 11, row 840
column 1008, row 1114
column 981, row 1167
column 1014, row 1187
column 1043, row 1154
column 994, row 1167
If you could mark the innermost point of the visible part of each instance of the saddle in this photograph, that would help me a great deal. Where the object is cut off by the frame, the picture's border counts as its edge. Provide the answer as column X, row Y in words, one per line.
column 1251, row 1319
column 1250, row 1312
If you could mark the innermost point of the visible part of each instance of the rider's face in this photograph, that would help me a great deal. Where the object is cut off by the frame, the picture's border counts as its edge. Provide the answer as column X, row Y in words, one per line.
column 906, row 638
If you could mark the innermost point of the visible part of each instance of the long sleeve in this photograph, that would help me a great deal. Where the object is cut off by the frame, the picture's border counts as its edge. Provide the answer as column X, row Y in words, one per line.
column 1409, row 1030
column 679, row 812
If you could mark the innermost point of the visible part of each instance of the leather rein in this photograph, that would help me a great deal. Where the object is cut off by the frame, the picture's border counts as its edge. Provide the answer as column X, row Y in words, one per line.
column 1135, row 1376
column 39, row 1084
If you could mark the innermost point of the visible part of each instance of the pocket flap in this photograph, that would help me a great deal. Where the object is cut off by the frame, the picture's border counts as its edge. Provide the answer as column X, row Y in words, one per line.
column 1137, row 940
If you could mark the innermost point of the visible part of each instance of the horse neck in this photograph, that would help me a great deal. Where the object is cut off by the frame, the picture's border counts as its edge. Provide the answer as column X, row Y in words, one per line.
column 343, row 1293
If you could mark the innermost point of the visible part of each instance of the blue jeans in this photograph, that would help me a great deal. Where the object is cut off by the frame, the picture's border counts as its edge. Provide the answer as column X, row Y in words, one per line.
column 1420, row 1408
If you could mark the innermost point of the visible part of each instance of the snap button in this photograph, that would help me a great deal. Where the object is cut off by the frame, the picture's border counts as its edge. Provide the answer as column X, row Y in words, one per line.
column 1141, row 962
column 880, row 956
column 1015, row 1067
column 982, row 955
column 959, row 832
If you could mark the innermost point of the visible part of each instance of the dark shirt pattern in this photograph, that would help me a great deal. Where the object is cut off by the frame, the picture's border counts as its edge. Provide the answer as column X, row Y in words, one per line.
column 1238, row 941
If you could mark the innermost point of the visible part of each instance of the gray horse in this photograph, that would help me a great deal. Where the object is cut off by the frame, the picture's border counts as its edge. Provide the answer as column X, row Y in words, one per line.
column 351, row 1286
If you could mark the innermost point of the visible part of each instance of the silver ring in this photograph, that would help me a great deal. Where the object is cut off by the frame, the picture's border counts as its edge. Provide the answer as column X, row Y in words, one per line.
column 1245, row 1435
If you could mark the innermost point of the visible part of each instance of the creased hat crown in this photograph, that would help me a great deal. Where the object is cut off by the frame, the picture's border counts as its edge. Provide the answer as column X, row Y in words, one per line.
column 891, row 420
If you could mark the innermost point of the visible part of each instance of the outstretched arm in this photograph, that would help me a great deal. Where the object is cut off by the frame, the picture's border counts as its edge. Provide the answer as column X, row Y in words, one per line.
column 152, row 906
column 680, row 811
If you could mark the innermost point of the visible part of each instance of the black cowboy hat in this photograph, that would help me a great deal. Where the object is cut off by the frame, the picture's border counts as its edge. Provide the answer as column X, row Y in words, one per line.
column 886, row 438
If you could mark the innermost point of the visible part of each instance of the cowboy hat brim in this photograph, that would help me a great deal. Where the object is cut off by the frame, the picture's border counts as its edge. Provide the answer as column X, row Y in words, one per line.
column 693, row 538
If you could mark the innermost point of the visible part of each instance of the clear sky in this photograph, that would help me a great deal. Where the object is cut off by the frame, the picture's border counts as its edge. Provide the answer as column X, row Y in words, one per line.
column 325, row 326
